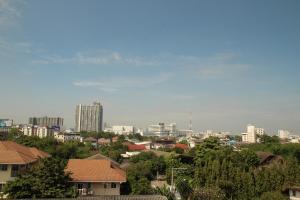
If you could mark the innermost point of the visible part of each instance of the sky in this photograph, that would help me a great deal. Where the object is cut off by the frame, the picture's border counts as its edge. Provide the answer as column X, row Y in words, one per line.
column 228, row 63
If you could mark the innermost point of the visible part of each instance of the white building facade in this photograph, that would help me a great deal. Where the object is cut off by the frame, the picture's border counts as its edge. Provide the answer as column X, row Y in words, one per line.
column 283, row 134
column 89, row 117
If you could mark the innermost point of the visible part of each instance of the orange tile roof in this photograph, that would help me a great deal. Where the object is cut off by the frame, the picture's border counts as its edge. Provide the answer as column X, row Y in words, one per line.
column 182, row 146
column 136, row 147
column 14, row 153
column 94, row 171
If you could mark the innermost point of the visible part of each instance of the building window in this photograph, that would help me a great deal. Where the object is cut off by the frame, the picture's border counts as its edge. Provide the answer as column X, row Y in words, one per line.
column 105, row 186
column 14, row 170
column 3, row 167
column 113, row 185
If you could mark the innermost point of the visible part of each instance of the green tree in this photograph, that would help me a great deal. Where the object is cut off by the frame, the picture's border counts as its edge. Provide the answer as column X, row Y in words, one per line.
column 47, row 180
column 164, row 191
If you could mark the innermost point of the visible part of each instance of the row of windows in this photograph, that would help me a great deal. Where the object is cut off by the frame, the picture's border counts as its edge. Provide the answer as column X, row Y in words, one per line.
column 3, row 167
column 112, row 185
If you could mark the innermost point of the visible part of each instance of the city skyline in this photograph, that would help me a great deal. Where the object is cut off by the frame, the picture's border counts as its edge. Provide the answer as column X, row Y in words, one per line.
column 230, row 64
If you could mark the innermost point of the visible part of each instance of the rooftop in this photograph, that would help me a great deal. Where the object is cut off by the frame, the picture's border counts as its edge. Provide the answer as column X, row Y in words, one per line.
column 84, row 170
column 14, row 153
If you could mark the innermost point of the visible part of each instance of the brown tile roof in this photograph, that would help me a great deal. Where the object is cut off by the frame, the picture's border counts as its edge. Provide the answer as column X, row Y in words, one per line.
column 99, row 156
column 182, row 146
column 136, row 147
column 14, row 153
column 83, row 170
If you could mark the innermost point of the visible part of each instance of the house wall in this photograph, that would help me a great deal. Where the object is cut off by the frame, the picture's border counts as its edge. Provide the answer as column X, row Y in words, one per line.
column 6, row 175
column 99, row 189
column 296, row 196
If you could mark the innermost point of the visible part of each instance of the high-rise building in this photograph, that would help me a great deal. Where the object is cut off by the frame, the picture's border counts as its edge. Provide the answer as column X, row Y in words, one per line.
column 250, row 135
column 283, row 134
column 46, row 121
column 89, row 117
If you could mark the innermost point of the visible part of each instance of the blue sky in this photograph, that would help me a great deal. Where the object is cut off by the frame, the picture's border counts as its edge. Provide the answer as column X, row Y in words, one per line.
column 230, row 63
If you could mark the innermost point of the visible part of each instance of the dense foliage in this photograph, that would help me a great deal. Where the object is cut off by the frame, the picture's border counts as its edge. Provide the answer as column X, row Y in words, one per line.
column 144, row 168
column 221, row 173
column 46, row 180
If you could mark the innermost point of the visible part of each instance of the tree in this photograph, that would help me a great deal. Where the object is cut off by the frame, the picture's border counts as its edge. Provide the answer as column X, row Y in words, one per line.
column 47, row 180
column 164, row 191
column 249, row 158
column 265, row 139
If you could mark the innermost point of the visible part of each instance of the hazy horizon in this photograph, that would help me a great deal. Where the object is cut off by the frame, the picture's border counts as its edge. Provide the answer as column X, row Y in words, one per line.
column 230, row 63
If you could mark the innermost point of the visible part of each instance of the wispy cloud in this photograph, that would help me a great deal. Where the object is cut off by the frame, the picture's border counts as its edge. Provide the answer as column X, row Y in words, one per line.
column 9, row 12
column 117, row 83
column 218, row 66
column 101, row 57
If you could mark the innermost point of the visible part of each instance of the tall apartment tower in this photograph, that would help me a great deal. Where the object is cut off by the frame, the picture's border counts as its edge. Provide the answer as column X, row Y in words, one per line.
column 47, row 121
column 89, row 117
column 251, row 133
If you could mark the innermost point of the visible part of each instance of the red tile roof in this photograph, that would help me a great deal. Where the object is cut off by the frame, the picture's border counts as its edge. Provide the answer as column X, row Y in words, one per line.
column 136, row 147
column 182, row 146
column 94, row 171
column 14, row 153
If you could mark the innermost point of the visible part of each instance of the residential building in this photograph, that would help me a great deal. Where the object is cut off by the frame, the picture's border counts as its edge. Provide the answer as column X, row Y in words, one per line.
column 28, row 130
column 211, row 133
column 162, row 130
column 260, row 131
column 130, row 154
column 96, row 177
column 294, row 193
column 250, row 135
column 47, row 121
column 44, row 131
column 67, row 136
column 136, row 147
column 40, row 131
column 283, row 134
column 123, row 130
column 16, row 159
column 89, row 117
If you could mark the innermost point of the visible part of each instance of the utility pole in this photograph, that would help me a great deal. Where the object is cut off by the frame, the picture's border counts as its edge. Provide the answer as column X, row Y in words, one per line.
column 172, row 177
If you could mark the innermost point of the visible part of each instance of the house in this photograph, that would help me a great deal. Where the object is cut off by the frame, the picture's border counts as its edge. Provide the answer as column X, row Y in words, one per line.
column 96, row 177
column 67, row 136
column 294, row 193
column 130, row 154
column 146, row 143
column 91, row 140
column 104, row 141
column 15, row 159
column 184, row 147
column 136, row 147
column 99, row 156
column 267, row 158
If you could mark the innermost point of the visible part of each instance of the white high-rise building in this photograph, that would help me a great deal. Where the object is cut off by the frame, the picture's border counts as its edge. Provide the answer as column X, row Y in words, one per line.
column 161, row 129
column 250, row 135
column 89, row 117
column 283, row 134
column 260, row 131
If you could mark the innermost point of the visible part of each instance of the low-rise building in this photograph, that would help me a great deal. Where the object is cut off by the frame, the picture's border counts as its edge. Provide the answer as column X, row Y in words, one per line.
column 16, row 159
column 95, row 177
column 283, row 134
column 67, row 136
column 294, row 193
column 123, row 130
